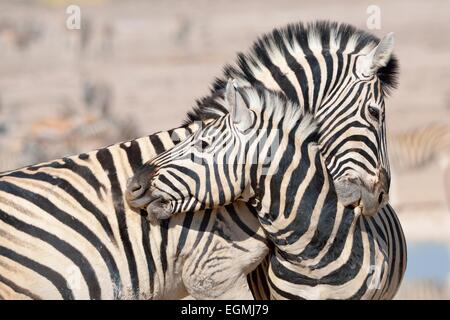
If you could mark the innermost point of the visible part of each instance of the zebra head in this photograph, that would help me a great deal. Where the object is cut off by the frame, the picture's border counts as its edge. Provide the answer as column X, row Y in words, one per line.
column 207, row 169
column 221, row 162
column 352, row 129
column 340, row 74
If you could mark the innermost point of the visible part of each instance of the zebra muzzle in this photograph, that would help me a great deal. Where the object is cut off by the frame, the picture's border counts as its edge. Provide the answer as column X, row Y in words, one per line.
column 138, row 187
column 144, row 198
column 137, row 194
column 159, row 209
column 354, row 194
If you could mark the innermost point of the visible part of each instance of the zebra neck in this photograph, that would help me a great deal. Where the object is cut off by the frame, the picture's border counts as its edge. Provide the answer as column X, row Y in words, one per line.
column 299, row 209
column 144, row 149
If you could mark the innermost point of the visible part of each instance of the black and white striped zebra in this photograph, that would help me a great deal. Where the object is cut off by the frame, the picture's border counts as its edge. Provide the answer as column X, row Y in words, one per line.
column 340, row 74
column 66, row 232
column 417, row 148
column 264, row 151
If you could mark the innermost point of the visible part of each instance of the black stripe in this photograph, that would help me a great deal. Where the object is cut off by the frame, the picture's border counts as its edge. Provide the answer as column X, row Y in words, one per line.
column 83, row 171
column 157, row 143
column 370, row 276
column 188, row 172
column 399, row 243
column 325, row 40
column 337, row 246
column 314, row 65
column 146, row 245
column 344, row 168
column 203, row 224
column 351, row 267
column 302, row 221
column 338, row 277
column 164, row 229
column 245, row 71
column 83, row 156
column 337, row 113
column 324, row 227
column 63, row 247
column 170, row 186
column 282, row 81
column 187, row 221
column 51, row 275
column 274, row 265
column 283, row 165
column 296, row 68
column 134, row 155
column 204, row 251
column 393, row 253
column 72, row 222
column 19, row 289
column 235, row 216
column 105, row 159
column 77, row 196
column 257, row 281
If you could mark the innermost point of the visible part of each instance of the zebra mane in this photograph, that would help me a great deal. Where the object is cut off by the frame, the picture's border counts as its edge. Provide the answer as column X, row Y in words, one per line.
column 276, row 105
column 312, row 37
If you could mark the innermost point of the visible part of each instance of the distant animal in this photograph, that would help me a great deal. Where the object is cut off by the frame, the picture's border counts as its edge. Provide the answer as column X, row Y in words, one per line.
column 417, row 148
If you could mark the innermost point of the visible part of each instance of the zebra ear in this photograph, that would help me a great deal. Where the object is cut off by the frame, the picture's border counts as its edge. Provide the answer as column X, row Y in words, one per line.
column 378, row 57
column 240, row 113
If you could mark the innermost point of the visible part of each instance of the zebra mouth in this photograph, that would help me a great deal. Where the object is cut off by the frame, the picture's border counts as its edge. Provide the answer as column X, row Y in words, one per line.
column 156, row 205
column 159, row 208
column 356, row 204
column 140, row 202
column 357, row 207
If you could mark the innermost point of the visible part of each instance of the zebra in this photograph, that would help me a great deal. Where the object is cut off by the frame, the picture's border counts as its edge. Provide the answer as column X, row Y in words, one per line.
column 417, row 148
column 340, row 74
column 66, row 232
column 61, row 222
column 68, row 215
column 100, row 176
column 264, row 151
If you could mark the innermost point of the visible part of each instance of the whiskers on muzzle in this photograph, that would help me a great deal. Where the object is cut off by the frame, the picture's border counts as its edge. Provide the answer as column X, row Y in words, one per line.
column 141, row 195
column 353, row 192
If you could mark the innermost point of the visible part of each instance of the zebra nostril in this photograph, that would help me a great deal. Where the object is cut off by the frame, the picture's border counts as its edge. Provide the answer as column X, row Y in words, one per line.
column 380, row 197
column 134, row 189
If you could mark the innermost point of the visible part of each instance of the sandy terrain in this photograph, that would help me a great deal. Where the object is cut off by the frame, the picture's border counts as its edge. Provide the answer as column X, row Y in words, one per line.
column 157, row 57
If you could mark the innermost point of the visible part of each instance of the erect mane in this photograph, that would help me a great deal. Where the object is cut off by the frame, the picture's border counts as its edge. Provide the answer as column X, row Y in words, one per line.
column 320, row 36
column 273, row 104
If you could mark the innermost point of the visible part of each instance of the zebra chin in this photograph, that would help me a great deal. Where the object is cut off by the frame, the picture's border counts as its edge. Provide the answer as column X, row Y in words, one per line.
column 159, row 209
column 359, row 197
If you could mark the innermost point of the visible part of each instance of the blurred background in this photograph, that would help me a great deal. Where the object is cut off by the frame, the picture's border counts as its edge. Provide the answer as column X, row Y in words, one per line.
column 136, row 67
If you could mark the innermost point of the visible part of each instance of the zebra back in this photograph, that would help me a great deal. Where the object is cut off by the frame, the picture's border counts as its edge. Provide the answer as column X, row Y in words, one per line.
column 67, row 232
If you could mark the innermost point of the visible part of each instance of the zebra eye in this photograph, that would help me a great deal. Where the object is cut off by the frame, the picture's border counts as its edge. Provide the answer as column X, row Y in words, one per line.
column 374, row 112
column 202, row 145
